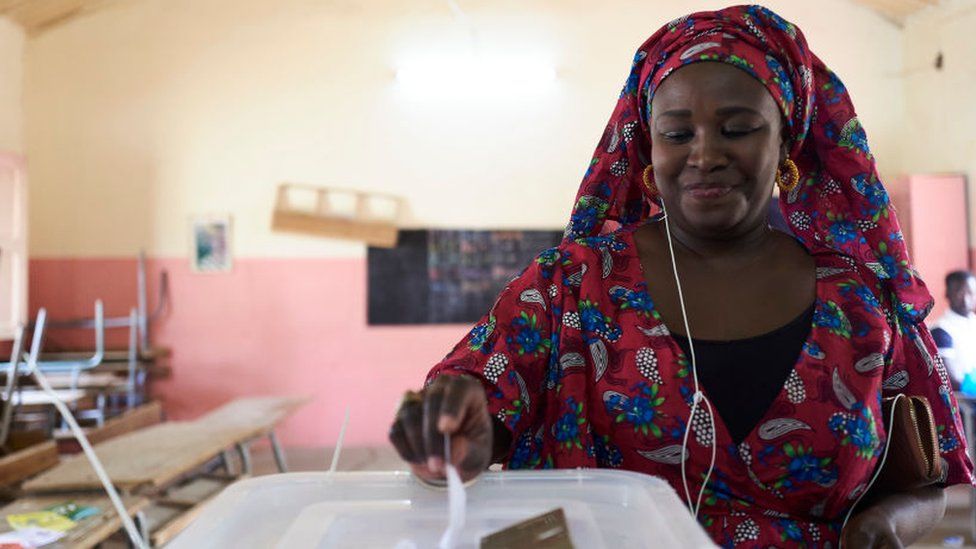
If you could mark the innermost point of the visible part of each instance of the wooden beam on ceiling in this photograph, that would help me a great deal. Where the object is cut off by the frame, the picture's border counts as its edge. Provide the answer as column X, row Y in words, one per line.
column 39, row 15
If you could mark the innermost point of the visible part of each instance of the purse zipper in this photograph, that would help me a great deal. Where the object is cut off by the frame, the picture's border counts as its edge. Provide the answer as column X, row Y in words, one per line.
column 918, row 440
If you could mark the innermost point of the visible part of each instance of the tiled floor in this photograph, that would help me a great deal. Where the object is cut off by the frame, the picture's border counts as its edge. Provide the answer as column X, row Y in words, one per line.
column 956, row 522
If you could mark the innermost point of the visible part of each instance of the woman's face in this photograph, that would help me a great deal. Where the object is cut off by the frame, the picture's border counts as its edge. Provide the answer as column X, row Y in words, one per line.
column 716, row 137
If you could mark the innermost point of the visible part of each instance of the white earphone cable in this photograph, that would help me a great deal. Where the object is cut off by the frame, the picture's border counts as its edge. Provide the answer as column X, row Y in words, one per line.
column 877, row 471
column 698, row 396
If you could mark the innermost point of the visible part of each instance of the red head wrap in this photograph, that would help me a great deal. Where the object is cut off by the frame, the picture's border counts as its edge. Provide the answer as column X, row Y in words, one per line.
column 840, row 202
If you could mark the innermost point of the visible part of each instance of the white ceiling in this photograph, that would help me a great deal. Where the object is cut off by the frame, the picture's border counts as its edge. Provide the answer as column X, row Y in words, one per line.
column 39, row 15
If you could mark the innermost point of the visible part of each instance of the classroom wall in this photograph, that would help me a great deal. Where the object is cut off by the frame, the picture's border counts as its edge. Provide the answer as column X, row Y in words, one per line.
column 939, row 136
column 186, row 107
column 11, row 86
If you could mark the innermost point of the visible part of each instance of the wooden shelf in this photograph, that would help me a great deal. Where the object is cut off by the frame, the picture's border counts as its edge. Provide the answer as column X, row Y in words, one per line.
column 325, row 218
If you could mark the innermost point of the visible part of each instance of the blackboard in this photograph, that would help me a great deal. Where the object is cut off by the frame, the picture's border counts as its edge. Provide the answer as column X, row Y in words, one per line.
column 447, row 276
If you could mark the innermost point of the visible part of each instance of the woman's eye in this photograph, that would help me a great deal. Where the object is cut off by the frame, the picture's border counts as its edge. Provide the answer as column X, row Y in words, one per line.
column 738, row 132
column 677, row 136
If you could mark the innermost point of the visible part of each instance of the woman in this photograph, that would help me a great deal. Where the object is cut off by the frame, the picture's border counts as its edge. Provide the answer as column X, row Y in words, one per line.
column 776, row 352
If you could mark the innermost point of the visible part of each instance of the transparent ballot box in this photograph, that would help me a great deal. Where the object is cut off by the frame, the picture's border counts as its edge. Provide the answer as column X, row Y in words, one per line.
column 603, row 509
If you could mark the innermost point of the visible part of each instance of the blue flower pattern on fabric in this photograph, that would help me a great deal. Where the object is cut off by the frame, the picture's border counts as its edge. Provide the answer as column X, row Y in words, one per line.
column 526, row 454
column 479, row 336
column 567, row 428
column 636, row 300
column 842, row 231
column 858, row 429
column 783, row 80
column 607, row 453
column 805, row 467
column 528, row 335
column 834, row 89
column 875, row 193
column 853, row 137
column 789, row 530
column 828, row 315
column 594, row 322
column 638, row 410
column 867, row 297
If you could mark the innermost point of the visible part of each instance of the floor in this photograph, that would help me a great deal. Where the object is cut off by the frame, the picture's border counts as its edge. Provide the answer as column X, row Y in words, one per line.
column 953, row 531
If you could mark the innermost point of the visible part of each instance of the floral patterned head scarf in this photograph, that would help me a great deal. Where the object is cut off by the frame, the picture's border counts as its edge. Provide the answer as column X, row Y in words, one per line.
column 840, row 202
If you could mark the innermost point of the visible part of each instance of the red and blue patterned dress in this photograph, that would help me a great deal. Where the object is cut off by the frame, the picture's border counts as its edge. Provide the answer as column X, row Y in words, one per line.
column 577, row 363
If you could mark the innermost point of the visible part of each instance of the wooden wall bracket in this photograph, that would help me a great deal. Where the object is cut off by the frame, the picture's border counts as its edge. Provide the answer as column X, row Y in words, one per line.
column 371, row 218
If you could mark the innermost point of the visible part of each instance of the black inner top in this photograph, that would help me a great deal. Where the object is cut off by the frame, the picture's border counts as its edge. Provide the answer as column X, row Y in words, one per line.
column 743, row 377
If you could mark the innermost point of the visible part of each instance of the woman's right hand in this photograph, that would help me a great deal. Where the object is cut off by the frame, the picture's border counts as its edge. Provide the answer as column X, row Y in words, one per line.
column 454, row 405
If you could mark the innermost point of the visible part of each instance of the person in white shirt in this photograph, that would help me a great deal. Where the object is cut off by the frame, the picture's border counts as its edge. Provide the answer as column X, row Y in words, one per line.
column 955, row 331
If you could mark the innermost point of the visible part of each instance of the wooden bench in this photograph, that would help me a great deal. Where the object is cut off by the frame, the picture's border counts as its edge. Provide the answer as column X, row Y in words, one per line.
column 156, row 467
column 157, row 456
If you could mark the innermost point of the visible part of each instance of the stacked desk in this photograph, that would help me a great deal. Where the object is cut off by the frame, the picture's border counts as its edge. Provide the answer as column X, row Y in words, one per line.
column 158, row 469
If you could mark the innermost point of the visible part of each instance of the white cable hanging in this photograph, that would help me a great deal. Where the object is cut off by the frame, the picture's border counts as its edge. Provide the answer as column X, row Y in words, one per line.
column 698, row 397
column 877, row 471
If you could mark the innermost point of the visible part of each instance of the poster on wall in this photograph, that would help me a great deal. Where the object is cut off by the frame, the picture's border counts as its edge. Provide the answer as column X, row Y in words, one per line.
column 210, row 245
column 447, row 276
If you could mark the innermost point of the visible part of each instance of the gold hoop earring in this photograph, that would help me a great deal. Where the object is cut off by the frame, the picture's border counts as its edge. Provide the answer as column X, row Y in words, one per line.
column 788, row 181
column 649, row 182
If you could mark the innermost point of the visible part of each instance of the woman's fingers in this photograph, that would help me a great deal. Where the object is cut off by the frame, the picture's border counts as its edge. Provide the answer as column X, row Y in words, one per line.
column 870, row 530
column 410, row 416
column 451, row 405
column 858, row 540
column 398, row 437
column 433, row 437
column 462, row 395
column 888, row 540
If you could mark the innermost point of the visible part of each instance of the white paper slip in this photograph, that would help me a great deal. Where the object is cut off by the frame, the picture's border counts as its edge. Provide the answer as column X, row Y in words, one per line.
column 457, row 501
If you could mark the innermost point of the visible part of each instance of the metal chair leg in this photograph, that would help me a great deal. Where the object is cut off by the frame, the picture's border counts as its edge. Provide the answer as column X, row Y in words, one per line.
column 100, row 407
column 245, row 451
column 228, row 462
column 279, row 455
column 133, row 358
column 142, row 523
column 8, row 393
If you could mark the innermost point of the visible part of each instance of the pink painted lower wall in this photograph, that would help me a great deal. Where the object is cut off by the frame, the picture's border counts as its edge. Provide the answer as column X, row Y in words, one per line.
column 272, row 326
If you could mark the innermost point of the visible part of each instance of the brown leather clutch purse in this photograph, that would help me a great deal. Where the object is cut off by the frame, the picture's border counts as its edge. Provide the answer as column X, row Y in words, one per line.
column 913, row 454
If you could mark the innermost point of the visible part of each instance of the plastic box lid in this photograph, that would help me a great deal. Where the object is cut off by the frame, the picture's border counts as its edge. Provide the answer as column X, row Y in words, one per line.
column 604, row 509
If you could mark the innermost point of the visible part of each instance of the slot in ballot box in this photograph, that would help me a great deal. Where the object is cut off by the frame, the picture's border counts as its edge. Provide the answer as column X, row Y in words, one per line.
column 603, row 509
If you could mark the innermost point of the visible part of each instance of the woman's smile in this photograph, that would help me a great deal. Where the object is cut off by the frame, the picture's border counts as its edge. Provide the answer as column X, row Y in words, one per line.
column 707, row 192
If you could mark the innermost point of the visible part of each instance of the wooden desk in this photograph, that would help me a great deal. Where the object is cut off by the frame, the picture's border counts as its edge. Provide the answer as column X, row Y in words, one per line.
column 155, row 457
column 252, row 417
column 90, row 531
column 24, row 463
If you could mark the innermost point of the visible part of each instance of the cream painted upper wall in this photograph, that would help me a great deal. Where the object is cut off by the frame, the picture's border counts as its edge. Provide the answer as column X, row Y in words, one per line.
column 154, row 110
column 940, row 134
column 11, row 86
